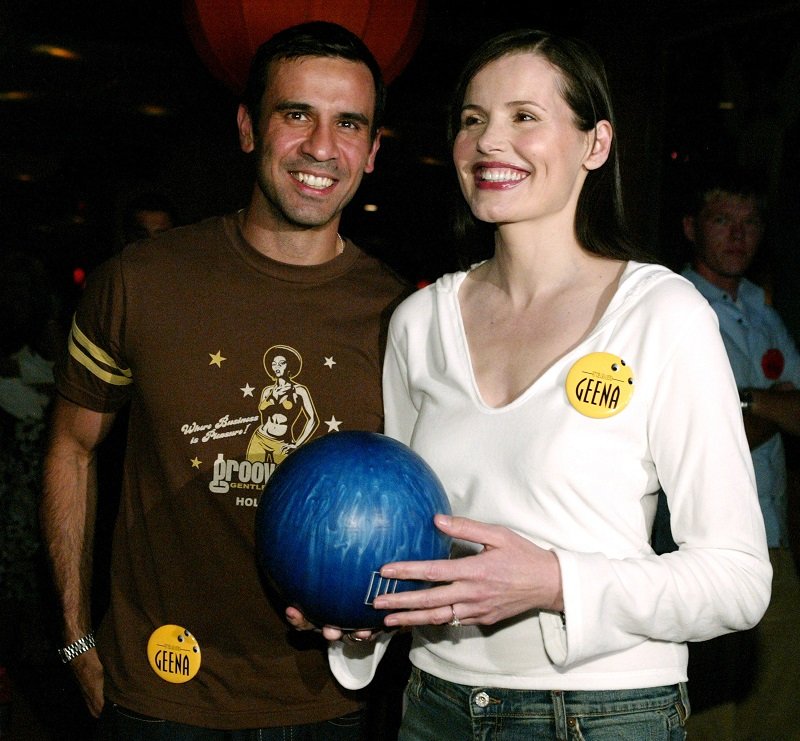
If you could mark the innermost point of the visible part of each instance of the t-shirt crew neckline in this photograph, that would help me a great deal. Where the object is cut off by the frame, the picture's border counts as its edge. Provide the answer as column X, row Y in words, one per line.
column 306, row 274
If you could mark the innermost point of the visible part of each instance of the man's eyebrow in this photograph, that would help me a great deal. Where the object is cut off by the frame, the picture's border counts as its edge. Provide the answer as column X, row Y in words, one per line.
column 292, row 105
column 356, row 117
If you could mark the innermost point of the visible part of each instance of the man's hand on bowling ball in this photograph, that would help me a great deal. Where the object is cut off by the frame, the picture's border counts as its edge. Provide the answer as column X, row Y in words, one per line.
column 330, row 632
column 298, row 620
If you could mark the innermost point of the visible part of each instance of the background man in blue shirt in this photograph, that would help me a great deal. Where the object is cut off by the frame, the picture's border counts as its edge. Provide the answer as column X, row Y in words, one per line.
column 725, row 225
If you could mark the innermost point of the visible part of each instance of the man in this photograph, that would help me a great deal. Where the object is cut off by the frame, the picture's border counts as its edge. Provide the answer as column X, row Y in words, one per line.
column 180, row 325
column 725, row 226
column 147, row 215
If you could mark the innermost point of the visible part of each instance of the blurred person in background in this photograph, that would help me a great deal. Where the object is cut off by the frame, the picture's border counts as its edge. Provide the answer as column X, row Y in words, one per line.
column 756, row 676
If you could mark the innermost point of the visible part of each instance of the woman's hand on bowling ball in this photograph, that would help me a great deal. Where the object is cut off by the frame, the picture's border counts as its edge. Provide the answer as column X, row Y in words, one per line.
column 330, row 632
column 509, row 576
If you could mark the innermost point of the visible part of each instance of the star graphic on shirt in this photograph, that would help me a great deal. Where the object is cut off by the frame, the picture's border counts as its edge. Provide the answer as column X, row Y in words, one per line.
column 196, row 462
column 330, row 362
column 216, row 359
column 333, row 424
column 247, row 390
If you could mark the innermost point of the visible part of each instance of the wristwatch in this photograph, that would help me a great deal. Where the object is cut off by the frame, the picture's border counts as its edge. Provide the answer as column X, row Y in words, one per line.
column 745, row 400
column 68, row 653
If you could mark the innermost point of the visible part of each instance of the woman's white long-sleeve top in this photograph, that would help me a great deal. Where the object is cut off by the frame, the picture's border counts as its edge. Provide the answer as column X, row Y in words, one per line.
column 586, row 487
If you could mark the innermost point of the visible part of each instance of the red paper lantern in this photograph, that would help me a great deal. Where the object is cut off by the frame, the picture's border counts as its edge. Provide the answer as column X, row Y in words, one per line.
column 227, row 34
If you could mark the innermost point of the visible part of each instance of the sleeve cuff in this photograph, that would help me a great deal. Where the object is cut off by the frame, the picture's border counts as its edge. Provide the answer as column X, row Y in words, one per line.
column 554, row 634
column 354, row 664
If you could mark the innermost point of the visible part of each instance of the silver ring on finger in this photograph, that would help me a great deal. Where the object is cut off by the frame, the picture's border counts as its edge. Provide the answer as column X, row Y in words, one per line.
column 454, row 622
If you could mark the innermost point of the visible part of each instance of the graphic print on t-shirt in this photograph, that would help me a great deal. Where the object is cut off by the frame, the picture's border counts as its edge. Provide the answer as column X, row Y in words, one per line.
column 286, row 409
column 284, row 417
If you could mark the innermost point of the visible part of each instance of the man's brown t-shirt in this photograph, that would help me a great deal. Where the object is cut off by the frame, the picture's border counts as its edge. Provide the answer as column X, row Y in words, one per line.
column 230, row 360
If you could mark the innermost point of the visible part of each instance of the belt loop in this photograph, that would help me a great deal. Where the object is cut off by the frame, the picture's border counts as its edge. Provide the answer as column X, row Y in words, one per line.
column 682, row 705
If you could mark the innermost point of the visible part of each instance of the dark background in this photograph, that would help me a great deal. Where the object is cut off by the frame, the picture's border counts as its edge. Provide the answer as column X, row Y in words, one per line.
column 129, row 106
column 694, row 82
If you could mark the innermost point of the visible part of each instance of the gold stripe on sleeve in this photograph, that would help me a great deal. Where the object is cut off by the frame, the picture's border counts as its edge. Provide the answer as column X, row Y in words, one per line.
column 85, row 352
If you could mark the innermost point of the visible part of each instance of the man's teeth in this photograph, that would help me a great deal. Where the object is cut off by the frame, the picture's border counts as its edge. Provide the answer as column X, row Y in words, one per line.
column 313, row 181
column 496, row 175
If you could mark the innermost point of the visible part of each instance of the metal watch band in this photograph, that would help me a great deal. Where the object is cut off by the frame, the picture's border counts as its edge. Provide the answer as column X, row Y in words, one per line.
column 68, row 653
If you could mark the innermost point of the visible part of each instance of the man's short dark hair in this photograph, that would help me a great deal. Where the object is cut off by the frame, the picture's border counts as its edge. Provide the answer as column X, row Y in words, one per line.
column 312, row 39
column 705, row 182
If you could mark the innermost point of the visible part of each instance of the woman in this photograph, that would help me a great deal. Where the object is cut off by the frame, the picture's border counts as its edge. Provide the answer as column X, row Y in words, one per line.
column 554, row 388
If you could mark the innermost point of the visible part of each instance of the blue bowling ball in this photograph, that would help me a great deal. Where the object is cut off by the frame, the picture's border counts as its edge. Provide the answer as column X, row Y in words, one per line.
column 334, row 512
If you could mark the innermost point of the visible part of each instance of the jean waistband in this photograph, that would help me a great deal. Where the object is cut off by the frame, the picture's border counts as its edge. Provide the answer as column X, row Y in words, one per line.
column 490, row 698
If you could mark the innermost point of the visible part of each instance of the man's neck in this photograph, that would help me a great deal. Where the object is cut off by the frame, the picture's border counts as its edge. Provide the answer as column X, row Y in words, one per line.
column 293, row 247
column 724, row 282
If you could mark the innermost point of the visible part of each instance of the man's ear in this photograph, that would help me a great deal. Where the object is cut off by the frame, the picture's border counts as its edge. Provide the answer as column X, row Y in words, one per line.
column 689, row 228
column 602, row 136
column 376, row 143
column 245, row 123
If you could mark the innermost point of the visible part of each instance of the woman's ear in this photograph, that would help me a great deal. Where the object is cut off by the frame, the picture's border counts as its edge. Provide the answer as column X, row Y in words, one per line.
column 601, row 139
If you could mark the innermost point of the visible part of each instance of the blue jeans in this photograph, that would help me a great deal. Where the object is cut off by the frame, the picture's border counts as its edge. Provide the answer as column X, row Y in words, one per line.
column 118, row 724
column 437, row 710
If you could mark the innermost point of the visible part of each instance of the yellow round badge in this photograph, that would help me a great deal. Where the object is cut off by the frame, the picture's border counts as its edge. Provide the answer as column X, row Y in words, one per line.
column 599, row 385
column 173, row 653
